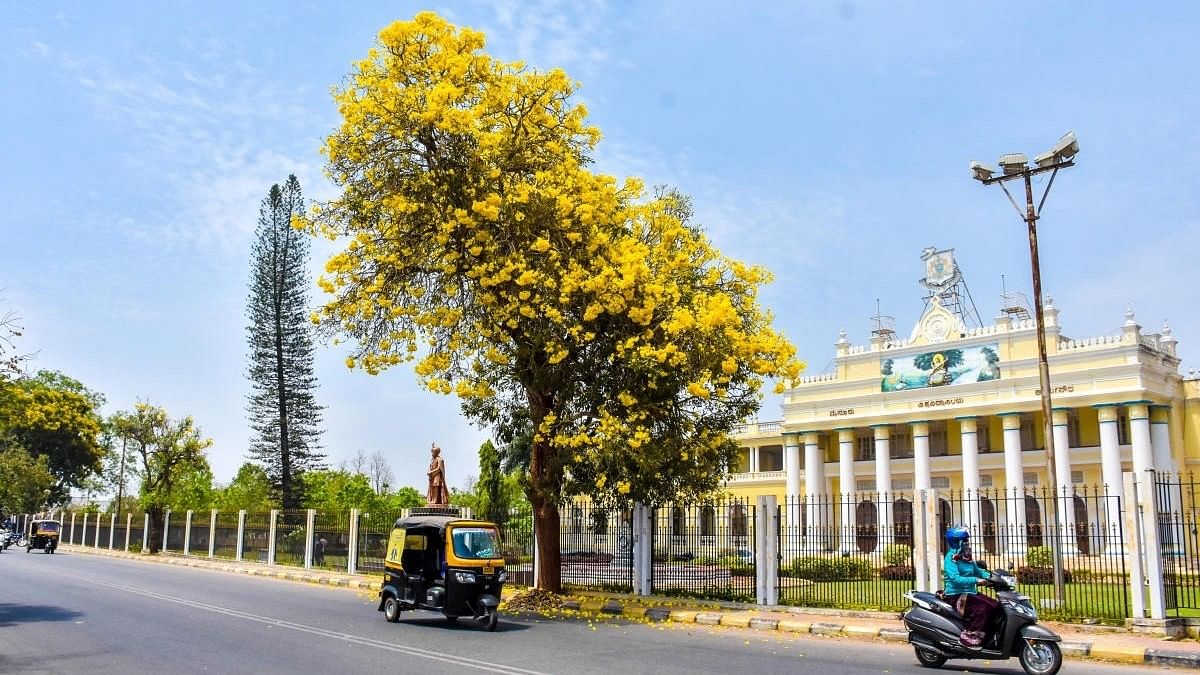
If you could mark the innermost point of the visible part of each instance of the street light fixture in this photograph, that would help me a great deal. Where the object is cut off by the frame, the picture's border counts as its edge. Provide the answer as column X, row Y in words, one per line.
column 1015, row 167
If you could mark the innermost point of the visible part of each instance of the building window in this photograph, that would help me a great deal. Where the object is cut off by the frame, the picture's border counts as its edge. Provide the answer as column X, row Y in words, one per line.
column 741, row 463
column 576, row 519
column 1073, row 428
column 941, row 482
column 708, row 521
column 770, row 458
column 901, row 445
column 737, row 520
column 1122, row 426
column 982, row 438
column 678, row 522
column 939, row 446
column 1028, row 436
column 864, row 446
column 599, row 521
column 1031, row 479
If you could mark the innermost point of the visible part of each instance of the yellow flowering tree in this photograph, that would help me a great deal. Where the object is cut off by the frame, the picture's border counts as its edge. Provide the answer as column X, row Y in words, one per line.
column 549, row 298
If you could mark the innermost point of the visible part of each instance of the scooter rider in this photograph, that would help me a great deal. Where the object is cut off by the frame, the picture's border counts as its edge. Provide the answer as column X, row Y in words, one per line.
column 962, row 574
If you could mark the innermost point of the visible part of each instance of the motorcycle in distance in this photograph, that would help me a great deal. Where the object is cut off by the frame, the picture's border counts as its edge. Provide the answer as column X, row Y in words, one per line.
column 934, row 627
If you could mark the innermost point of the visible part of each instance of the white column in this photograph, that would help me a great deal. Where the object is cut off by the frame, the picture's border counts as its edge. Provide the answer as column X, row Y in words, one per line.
column 187, row 533
column 96, row 536
column 883, row 484
column 846, row 487
column 128, row 526
column 752, row 455
column 166, row 526
column 82, row 534
column 814, row 488
column 1139, row 436
column 308, row 538
column 1110, row 473
column 1164, row 463
column 241, row 534
column 1063, row 485
column 921, row 476
column 146, row 533
column 1014, row 486
column 968, row 429
column 212, row 534
column 112, row 530
column 352, row 550
column 271, row 534
column 72, row 527
column 791, row 465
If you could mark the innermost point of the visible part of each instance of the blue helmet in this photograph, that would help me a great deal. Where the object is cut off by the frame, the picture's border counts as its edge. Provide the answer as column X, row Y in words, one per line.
column 955, row 536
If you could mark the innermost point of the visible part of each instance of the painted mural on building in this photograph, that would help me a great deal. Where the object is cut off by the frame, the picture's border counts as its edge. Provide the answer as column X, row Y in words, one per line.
column 980, row 363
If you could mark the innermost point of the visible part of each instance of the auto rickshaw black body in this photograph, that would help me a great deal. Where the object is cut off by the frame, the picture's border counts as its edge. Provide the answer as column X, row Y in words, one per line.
column 441, row 562
column 43, row 534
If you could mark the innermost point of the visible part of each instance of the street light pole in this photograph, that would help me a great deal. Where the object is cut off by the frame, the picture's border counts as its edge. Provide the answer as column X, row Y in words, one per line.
column 1015, row 167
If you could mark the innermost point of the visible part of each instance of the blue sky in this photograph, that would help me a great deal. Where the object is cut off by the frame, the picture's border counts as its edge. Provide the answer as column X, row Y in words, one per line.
column 828, row 141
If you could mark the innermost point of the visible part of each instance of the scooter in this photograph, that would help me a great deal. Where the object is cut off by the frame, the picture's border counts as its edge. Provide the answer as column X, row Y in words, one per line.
column 934, row 627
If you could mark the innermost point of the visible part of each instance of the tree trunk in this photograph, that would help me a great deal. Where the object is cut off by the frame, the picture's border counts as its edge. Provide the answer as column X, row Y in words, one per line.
column 154, row 537
column 549, row 560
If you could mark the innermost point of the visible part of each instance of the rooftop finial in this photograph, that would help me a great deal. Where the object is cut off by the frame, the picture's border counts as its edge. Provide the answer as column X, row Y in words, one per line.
column 842, row 336
column 1129, row 320
column 1049, row 300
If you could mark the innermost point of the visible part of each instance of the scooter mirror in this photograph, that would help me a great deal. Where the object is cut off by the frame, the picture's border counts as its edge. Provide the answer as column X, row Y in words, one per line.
column 982, row 564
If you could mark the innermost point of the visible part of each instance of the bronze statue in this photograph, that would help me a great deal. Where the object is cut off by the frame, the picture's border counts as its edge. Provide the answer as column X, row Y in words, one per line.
column 437, row 494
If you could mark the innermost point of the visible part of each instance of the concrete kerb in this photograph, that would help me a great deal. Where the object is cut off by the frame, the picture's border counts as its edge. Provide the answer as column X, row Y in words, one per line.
column 738, row 615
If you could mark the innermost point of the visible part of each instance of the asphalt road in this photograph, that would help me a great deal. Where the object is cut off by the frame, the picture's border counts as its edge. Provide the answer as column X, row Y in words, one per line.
column 67, row 613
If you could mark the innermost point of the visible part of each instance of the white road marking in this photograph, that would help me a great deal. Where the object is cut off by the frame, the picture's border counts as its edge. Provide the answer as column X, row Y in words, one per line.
column 313, row 630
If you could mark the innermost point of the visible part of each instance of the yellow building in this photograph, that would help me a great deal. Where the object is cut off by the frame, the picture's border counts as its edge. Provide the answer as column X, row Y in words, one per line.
column 957, row 407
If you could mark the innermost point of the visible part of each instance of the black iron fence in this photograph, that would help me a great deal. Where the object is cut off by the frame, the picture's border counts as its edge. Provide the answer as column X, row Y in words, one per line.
column 256, row 536
column 704, row 550
column 225, row 535
column 373, row 531
column 853, row 550
column 1177, row 508
column 596, row 546
column 289, row 537
column 331, row 541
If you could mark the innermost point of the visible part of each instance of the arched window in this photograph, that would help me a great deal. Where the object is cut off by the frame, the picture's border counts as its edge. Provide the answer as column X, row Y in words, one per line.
column 1033, row 522
column 576, row 519
column 599, row 521
column 944, row 520
column 737, row 520
column 678, row 522
column 708, row 521
column 987, row 510
column 866, row 526
column 902, row 514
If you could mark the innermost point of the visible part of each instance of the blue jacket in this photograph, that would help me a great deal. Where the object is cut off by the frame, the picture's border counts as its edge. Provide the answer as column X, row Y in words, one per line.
column 960, row 575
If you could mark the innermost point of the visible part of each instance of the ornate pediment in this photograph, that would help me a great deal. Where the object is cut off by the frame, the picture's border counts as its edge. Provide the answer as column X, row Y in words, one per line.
column 936, row 325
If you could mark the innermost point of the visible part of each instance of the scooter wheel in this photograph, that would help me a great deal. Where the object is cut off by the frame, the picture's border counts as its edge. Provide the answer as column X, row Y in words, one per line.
column 928, row 658
column 1041, row 658
column 489, row 620
column 391, row 609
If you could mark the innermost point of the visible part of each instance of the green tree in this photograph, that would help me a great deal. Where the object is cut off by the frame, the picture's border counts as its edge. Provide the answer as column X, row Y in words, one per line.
column 544, row 295
column 337, row 491
column 169, row 454
column 53, row 416
column 24, row 481
column 404, row 498
column 250, row 490
column 193, row 488
column 953, row 358
column 282, row 405
column 888, row 364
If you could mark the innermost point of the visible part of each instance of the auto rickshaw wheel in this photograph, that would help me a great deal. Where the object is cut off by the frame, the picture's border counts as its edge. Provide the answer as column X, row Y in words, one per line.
column 391, row 609
column 489, row 620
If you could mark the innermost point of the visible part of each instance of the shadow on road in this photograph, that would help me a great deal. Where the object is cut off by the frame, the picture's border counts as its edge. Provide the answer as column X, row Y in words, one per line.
column 12, row 613
column 463, row 624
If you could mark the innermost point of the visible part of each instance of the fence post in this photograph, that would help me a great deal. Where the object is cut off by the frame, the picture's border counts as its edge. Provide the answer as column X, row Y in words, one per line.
column 1153, row 547
column 128, row 526
column 96, row 535
column 933, row 541
column 1133, row 548
column 112, row 531
column 642, row 549
column 72, row 539
column 82, row 529
column 212, row 534
column 241, row 534
column 166, row 528
column 271, row 536
column 352, row 545
column 766, row 547
column 308, row 538
column 146, row 534
column 187, row 533
column 536, row 557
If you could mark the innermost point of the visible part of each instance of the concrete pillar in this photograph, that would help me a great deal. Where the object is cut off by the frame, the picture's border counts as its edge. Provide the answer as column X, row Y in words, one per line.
column 846, row 487
column 352, row 551
column 792, row 497
column 72, row 527
column 766, row 568
column 212, row 534
column 1110, row 472
column 968, row 428
column 643, row 544
column 187, row 533
column 241, row 534
column 146, row 533
column 271, row 535
column 752, row 456
column 814, row 489
column 166, row 527
column 1064, row 488
column 82, row 532
column 922, row 480
column 128, row 527
column 1014, row 485
column 309, row 522
column 1164, row 464
column 96, row 536
column 883, row 484
column 112, row 530
column 1139, row 436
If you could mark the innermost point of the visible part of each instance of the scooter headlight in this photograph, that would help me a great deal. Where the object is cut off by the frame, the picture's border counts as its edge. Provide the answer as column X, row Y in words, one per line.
column 1024, row 610
column 464, row 577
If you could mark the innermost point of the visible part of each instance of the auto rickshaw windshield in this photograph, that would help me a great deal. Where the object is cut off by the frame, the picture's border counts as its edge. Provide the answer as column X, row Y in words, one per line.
column 475, row 543
column 47, row 527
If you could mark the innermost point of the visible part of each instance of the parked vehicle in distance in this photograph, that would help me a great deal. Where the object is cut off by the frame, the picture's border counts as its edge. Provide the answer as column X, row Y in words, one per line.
column 43, row 534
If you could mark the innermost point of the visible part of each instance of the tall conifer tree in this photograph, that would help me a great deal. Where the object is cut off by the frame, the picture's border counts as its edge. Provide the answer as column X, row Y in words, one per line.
column 282, row 407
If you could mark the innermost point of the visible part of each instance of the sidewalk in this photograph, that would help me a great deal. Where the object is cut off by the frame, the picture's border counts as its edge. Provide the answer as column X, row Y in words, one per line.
column 1102, row 643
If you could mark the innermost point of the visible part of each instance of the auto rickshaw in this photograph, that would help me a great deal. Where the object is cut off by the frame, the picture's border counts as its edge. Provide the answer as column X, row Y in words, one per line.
column 441, row 562
column 43, row 534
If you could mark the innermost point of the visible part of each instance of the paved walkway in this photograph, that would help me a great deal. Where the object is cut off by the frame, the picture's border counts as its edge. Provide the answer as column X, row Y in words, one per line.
column 1079, row 642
